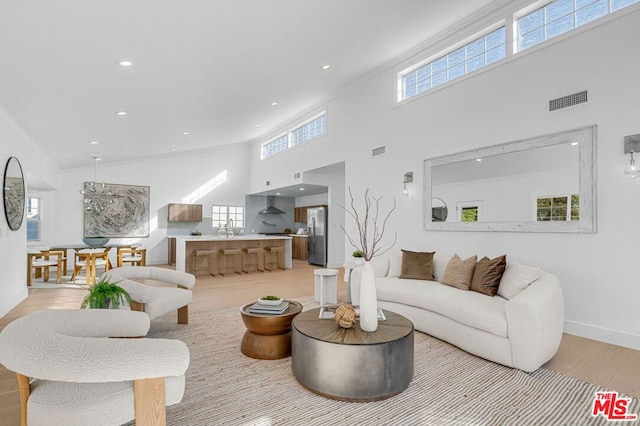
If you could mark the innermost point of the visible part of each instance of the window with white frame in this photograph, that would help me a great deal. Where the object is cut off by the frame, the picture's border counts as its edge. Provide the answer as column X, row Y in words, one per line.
column 304, row 132
column 558, row 208
column 561, row 16
column 232, row 216
column 33, row 218
column 479, row 53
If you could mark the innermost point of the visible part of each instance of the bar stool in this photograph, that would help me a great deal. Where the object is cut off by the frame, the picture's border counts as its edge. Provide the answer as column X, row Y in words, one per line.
column 204, row 253
column 253, row 251
column 279, row 253
column 325, row 286
column 223, row 253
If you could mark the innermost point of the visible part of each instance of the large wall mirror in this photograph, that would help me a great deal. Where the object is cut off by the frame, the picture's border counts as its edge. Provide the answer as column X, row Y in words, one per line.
column 13, row 193
column 542, row 184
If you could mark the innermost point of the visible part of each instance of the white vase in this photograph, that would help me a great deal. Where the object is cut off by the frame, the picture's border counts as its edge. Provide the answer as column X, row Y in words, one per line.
column 368, row 299
column 358, row 260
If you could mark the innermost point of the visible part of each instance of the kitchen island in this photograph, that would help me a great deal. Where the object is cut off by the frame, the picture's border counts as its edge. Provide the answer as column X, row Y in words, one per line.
column 185, row 246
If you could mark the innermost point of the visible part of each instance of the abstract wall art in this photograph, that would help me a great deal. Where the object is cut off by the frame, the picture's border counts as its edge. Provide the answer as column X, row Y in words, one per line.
column 125, row 212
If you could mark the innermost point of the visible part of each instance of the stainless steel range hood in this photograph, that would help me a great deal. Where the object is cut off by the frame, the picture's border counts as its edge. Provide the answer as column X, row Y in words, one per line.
column 271, row 209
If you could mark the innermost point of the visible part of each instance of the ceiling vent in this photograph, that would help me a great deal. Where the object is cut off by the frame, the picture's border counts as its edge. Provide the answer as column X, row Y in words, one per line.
column 378, row 151
column 568, row 101
column 296, row 175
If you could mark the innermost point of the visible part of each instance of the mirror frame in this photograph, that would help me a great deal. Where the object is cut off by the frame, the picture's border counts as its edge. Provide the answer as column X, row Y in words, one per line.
column 12, row 209
column 587, row 184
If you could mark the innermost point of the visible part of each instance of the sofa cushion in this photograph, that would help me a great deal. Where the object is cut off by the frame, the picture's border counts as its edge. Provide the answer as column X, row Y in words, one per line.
column 417, row 265
column 487, row 275
column 459, row 272
column 395, row 264
column 466, row 307
column 516, row 278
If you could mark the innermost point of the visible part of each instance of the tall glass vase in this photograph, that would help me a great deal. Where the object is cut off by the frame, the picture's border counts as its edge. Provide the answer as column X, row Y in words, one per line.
column 368, row 299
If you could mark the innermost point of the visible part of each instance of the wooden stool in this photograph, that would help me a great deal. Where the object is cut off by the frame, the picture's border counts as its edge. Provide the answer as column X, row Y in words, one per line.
column 203, row 253
column 257, row 251
column 279, row 252
column 222, row 254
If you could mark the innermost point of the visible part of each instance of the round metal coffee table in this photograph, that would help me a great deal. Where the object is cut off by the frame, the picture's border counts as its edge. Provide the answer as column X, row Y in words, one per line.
column 268, row 336
column 351, row 364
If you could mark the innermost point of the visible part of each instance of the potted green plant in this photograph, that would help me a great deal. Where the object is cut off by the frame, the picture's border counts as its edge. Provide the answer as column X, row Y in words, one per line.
column 105, row 295
column 358, row 257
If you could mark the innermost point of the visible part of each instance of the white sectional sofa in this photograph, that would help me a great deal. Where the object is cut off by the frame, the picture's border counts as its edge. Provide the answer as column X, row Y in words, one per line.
column 523, row 331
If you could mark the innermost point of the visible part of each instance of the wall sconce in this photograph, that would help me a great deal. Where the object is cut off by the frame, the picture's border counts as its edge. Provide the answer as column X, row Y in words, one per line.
column 408, row 178
column 631, row 145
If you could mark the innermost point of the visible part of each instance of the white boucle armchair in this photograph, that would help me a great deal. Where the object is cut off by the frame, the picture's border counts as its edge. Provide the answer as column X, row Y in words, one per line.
column 70, row 372
column 156, row 300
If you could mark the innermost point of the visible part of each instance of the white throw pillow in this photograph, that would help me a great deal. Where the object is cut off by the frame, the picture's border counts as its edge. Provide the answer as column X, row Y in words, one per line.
column 395, row 264
column 516, row 278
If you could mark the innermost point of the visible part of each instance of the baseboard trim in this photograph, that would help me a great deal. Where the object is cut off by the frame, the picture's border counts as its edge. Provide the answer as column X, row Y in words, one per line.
column 614, row 337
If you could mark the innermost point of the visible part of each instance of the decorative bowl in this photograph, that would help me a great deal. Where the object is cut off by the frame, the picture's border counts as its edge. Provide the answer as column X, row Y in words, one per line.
column 95, row 241
column 270, row 302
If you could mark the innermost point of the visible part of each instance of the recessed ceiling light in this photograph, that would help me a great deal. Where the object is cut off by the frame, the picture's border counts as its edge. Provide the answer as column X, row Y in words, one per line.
column 277, row 193
column 94, row 142
column 301, row 189
column 234, row 141
column 173, row 149
column 478, row 159
column 125, row 63
column 326, row 67
column 258, row 125
column 574, row 144
column 186, row 133
column 121, row 113
column 274, row 103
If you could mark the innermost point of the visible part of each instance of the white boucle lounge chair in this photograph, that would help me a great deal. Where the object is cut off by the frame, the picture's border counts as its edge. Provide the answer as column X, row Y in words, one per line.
column 71, row 373
column 152, row 299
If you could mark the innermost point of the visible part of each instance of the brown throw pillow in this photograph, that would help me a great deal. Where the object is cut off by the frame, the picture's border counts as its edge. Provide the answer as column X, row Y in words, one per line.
column 488, row 274
column 417, row 265
column 459, row 272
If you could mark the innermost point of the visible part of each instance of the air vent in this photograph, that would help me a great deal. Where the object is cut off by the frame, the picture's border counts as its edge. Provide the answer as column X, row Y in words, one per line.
column 296, row 175
column 268, row 183
column 378, row 151
column 568, row 101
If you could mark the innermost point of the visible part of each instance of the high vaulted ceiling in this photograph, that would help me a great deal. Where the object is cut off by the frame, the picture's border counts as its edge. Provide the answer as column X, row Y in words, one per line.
column 211, row 68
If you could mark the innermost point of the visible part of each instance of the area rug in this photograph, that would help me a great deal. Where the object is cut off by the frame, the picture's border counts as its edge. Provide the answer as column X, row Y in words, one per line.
column 450, row 387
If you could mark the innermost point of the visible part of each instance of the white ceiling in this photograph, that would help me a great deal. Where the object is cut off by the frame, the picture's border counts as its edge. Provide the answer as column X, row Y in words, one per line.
column 208, row 67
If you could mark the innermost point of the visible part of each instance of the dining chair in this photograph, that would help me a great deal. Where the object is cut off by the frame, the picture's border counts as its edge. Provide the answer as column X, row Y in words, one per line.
column 40, row 260
column 136, row 256
column 90, row 259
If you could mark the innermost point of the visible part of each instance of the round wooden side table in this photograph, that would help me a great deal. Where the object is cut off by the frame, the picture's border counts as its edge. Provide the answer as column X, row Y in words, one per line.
column 268, row 336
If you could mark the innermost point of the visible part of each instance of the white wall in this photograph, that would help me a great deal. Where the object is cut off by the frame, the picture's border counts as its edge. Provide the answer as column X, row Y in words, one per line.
column 35, row 166
column 217, row 176
column 599, row 272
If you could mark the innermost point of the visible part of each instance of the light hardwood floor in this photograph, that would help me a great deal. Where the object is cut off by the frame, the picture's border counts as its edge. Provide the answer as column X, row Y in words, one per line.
column 611, row 366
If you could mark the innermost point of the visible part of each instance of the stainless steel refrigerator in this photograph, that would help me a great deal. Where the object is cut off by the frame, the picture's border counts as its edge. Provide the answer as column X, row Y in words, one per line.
column 317, row 236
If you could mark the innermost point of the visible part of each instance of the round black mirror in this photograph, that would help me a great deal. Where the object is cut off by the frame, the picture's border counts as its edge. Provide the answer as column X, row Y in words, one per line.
column 13, row 191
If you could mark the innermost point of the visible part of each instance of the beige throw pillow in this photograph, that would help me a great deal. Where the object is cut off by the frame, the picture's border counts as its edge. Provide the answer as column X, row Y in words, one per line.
column 459, row 272
column 417, row 265
column 487, row 275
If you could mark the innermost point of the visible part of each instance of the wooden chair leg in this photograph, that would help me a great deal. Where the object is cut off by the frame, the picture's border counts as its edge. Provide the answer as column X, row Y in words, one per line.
column 25, row 390
column 150, row 404
column 183, row 315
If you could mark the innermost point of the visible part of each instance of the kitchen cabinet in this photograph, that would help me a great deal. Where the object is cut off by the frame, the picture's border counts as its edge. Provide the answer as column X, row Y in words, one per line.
column 299, row 247
column 184, row 213
column 171, row 251
column 300, row 214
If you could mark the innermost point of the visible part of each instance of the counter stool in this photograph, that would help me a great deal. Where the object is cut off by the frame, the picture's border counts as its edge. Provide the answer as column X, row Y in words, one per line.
column 204, row 253
column 222, row 255
column 278, row 252
column 325, row 286
column 253, row 251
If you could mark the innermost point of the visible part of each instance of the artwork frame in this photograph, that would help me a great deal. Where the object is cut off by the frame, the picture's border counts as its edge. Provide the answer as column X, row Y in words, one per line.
column 126, row 216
